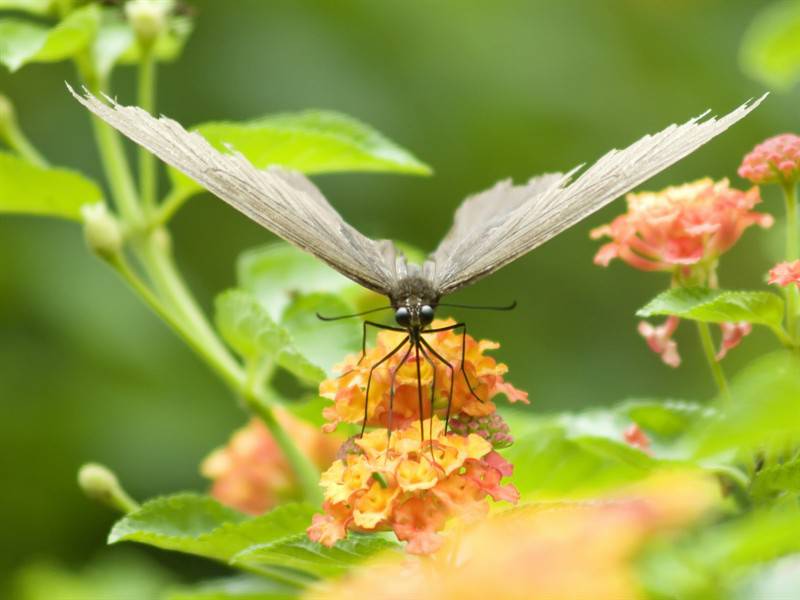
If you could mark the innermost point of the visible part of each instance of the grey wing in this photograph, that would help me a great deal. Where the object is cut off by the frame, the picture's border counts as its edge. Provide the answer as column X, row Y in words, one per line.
column 283, row 201
column 488, row 240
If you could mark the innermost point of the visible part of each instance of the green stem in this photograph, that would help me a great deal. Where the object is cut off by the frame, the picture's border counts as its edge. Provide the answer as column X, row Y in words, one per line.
column 17, row 141
column 792, row 253
column 148, row 182
column 171, row 204
column 708, row 349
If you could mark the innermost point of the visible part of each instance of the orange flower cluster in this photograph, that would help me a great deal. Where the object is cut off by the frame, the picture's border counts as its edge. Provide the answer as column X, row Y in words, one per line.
column 251, row 473
column 785, row 273
column 554, row 550
column 775, row 160
column 349, row 390
column 410, row 485
column 680, row 226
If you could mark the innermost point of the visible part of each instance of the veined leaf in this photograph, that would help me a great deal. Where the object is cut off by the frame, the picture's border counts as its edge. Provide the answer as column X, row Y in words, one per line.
column 252, row 333
column 199, row 525
column 298, row 552
column 29, row 189
column 717, row 306
column 313, row 141
column 23, row 42
column 770, row 50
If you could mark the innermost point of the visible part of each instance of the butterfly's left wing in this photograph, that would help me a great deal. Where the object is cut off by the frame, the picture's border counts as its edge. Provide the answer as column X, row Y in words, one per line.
column 283, row 201
column 506, row 221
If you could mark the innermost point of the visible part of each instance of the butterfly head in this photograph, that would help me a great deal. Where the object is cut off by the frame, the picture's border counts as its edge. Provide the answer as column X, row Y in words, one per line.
column 414, row 303
column 414, row 315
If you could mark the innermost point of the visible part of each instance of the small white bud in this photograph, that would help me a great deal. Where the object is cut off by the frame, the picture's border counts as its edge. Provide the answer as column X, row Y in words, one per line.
column 101, row 230
column 101, row 485
column 148, row 18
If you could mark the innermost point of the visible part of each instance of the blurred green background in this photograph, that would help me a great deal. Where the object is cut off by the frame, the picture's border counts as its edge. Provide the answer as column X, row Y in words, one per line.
column 480, row 91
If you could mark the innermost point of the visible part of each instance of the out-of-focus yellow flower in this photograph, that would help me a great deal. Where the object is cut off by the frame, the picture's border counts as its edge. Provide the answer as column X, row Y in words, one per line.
column 410, row 485
column 549, row 551
column 349, row 390
column 251, row 473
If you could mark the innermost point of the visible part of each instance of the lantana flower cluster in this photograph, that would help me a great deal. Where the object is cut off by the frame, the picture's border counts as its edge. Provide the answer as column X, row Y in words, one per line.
column 413, row 478
column 775, row 160
column 682, row 230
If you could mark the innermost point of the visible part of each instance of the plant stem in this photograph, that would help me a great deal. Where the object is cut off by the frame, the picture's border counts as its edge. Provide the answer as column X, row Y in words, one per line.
column 792, row 253
column 148, row 182
column 708, row 349
column 17, row 141
column 167, row 209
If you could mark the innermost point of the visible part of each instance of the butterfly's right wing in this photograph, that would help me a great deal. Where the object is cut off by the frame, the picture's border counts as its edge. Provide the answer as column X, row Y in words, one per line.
column 283, row 201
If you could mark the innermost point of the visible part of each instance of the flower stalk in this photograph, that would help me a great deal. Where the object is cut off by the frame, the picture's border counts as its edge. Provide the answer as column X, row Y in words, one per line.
column 792, row 253
column 707, row 344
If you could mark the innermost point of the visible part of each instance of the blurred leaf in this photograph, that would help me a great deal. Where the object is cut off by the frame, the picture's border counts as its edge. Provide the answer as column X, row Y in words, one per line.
column 669, row 418
column 199, row 525
column 168, row 47
column 776, row 479
column 252, row 333
column 763, row 410
column 299, row 552
column 242, row 587
column 276, row 273
column 324, row 343
column 126, row 577
column 779, row 579
column 23, row 42
column 706, row 565
column 312, row 141
column 717, row 306
column 29, row 189
column 38, row 7
column 770, row 50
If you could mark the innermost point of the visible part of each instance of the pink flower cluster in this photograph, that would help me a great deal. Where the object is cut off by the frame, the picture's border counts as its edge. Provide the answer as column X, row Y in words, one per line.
column 776, row 160
column 785, row 273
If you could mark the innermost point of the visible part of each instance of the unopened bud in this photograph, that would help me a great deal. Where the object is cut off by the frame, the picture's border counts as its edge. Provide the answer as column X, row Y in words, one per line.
column 490, row 427
column 100, row 484
column 102, row 230
column 148, row 18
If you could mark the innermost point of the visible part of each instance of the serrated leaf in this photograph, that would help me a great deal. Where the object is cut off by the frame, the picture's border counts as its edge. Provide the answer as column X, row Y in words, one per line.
column 298, row 552
column 762, row 410
column 770, row 50
column 276, row 273
column 251, row 332
column 23, row 42
column 717, row 306
column 777, row 478
column 199, row 525
column 314, row 141
column 243, row 587
column 26, row 188
column 37, row 7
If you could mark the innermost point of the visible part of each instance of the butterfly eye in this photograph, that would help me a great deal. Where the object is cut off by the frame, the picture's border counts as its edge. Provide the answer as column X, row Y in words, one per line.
column 426, row 314
column 402, row 316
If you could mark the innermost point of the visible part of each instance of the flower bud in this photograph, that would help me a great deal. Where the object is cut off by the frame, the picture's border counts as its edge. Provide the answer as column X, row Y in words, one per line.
column 148, row 18
column 100, row 484
column 490, row 427
column 101, row 230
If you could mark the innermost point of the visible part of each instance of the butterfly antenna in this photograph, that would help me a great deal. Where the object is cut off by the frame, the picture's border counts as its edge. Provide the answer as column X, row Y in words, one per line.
column 511, row 306
column 359, row 314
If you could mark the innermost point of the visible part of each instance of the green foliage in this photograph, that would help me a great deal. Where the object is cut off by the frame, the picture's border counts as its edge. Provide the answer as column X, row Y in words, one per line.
column 29, row 189
column 310, row 141
column 777, row 479
column 718, row 306
column 243, row 587
column 763, row 410
column 23, row 42
column 770, row 50
column 668, row 419
column 37, row 7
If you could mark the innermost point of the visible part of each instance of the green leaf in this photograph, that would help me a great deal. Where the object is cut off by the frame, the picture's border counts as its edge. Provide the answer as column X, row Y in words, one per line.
column 29, row 189
column 667, row 419
column 253, row 334
column 313, row 141
column 277, row 273
column 242, row 587
column 23, row 42
column 763, row 410
column 777, row 479
column 199, row 525
column 770, row 50
column 37, row 7
column 717, row 306
column 298, row 552
column 325, row 344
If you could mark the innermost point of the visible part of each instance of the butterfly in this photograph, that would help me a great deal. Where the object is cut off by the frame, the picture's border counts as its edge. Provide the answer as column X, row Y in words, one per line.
column 490, row 229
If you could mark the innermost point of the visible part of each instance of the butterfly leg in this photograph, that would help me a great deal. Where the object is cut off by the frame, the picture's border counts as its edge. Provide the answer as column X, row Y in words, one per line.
column 463, row 353
column 364, row 342
column 391, row 392
column 447, row 364
column 429, row 360
column 369, row 381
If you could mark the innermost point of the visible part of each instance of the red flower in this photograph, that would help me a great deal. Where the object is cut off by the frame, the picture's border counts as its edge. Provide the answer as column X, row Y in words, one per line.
column 776, row 160
column 785, row 273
